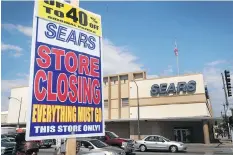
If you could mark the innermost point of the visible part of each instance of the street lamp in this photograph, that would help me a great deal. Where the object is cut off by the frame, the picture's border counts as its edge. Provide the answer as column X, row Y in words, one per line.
column 138, row 110
column 20, row 101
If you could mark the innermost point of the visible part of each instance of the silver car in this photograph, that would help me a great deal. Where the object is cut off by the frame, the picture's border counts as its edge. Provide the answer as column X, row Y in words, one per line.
column 156, row 142
column 96, row 146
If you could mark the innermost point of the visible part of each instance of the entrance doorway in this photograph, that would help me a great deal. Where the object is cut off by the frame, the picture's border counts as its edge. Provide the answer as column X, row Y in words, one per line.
column 182, row 135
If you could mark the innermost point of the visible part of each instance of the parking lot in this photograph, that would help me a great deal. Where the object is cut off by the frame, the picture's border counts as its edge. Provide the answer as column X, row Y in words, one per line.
column 192, row 150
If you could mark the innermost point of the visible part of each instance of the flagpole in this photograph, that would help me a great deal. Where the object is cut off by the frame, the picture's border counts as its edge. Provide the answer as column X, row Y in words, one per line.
column 177, row 58
column 177, row 64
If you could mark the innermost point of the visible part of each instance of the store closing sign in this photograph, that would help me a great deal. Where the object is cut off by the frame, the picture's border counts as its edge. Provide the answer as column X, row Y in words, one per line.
column 66, row 73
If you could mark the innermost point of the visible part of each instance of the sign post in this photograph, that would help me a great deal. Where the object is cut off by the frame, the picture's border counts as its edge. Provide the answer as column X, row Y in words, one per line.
column 65, row 97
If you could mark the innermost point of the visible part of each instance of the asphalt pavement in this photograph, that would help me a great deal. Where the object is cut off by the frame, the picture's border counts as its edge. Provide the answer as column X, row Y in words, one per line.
column 192, row 150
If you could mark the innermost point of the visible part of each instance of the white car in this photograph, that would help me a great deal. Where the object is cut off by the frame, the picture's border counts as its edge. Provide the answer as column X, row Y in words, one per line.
column 89, row 146
column 156, row 142
column 96, row 146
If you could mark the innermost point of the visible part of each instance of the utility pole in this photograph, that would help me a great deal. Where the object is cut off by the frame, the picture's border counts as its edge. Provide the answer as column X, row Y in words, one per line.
column 227, row 104
column 225, row 91
column 138, row 110
column 227, row 121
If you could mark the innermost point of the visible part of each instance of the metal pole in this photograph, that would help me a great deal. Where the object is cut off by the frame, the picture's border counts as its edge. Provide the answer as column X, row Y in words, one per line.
column 138, row 110
column 19, row 111
column 177, row 59
column 228, row 125
column 177, row 64
column 227, row 103
column 225, row 91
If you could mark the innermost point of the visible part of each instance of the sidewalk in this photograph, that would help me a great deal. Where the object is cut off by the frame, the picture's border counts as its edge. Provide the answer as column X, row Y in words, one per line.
column 225, row 148
column 209, row 145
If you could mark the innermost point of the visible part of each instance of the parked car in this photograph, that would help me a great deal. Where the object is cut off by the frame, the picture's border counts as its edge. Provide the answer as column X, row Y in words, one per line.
column 88, row 145
column 114, row 140
column 156, row 142
column 54, row 142
column 7, row 146
column 46, row 143
column 9, row 136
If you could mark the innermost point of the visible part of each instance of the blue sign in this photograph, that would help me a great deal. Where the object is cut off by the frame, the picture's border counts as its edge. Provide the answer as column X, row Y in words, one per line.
column 65, row 83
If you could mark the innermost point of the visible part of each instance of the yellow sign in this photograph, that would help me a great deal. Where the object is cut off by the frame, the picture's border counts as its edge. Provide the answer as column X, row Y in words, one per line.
column 64, row 13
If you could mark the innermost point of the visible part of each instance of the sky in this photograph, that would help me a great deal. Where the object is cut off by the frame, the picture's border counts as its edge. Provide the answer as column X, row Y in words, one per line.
column 137, row 36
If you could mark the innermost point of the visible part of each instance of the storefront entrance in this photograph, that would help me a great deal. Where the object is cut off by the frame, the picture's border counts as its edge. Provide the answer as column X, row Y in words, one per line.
column 182, row 135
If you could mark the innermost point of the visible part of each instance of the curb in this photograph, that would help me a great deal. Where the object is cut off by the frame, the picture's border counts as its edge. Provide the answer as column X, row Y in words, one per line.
column 213, row 144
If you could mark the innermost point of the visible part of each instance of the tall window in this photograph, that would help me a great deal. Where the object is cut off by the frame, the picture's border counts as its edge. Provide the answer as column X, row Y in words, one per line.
column 125, row 102
column 105, row 103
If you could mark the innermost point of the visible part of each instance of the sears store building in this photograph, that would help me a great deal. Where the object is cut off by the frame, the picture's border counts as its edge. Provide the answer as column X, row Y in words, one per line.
column 175, row 107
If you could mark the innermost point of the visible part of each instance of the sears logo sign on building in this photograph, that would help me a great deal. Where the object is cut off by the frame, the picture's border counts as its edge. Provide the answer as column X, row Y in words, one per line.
column 66, row 73
column 173, row 89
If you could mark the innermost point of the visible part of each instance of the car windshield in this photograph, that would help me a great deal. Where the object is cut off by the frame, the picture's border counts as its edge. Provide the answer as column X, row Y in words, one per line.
column 98, row 143
column 166, row 139
column 112, row 135
column 3, row 136
column 48, row 140
column 5, row 140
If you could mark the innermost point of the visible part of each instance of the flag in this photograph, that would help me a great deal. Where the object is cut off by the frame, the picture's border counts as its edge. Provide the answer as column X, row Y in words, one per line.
column 176, row 50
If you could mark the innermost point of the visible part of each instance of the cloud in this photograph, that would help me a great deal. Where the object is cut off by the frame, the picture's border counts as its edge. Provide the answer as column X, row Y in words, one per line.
column 118, row 59
column 23, row 75
column 26, row 30
column 151, row 76
column 213, row 79
column 4, row 101
column 6, row 47
column 21, row 80
column 215, row 63
column 7, row 85
column 168, row 71
column 15, row 50
column 17, row 54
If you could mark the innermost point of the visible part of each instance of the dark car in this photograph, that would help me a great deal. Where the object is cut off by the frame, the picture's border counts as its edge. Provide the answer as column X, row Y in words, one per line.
column 7, row 146
column 11, row 137
column 114, row 140
column 46, row 143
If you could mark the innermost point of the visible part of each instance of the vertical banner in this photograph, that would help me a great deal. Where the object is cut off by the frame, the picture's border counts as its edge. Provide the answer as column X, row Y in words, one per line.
column 65, row 90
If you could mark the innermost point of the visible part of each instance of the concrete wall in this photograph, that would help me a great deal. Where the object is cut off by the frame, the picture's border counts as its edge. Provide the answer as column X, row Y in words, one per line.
column 145, row 85
column 115, row 88
column 120, row 128
column 170, row 111
column 172, row 105
column 14, row 105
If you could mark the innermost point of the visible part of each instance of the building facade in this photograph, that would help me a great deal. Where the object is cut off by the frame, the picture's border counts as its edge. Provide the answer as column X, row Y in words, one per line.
column 175, row 107
column 4, row 115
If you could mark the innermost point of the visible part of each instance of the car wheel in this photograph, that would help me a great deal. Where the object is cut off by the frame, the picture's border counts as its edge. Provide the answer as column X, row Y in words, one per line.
column 173, row 149
column 142, row 148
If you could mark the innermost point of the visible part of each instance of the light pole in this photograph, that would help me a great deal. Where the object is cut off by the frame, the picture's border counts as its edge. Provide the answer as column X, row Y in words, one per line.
column 20, row 101
column 138, row 110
